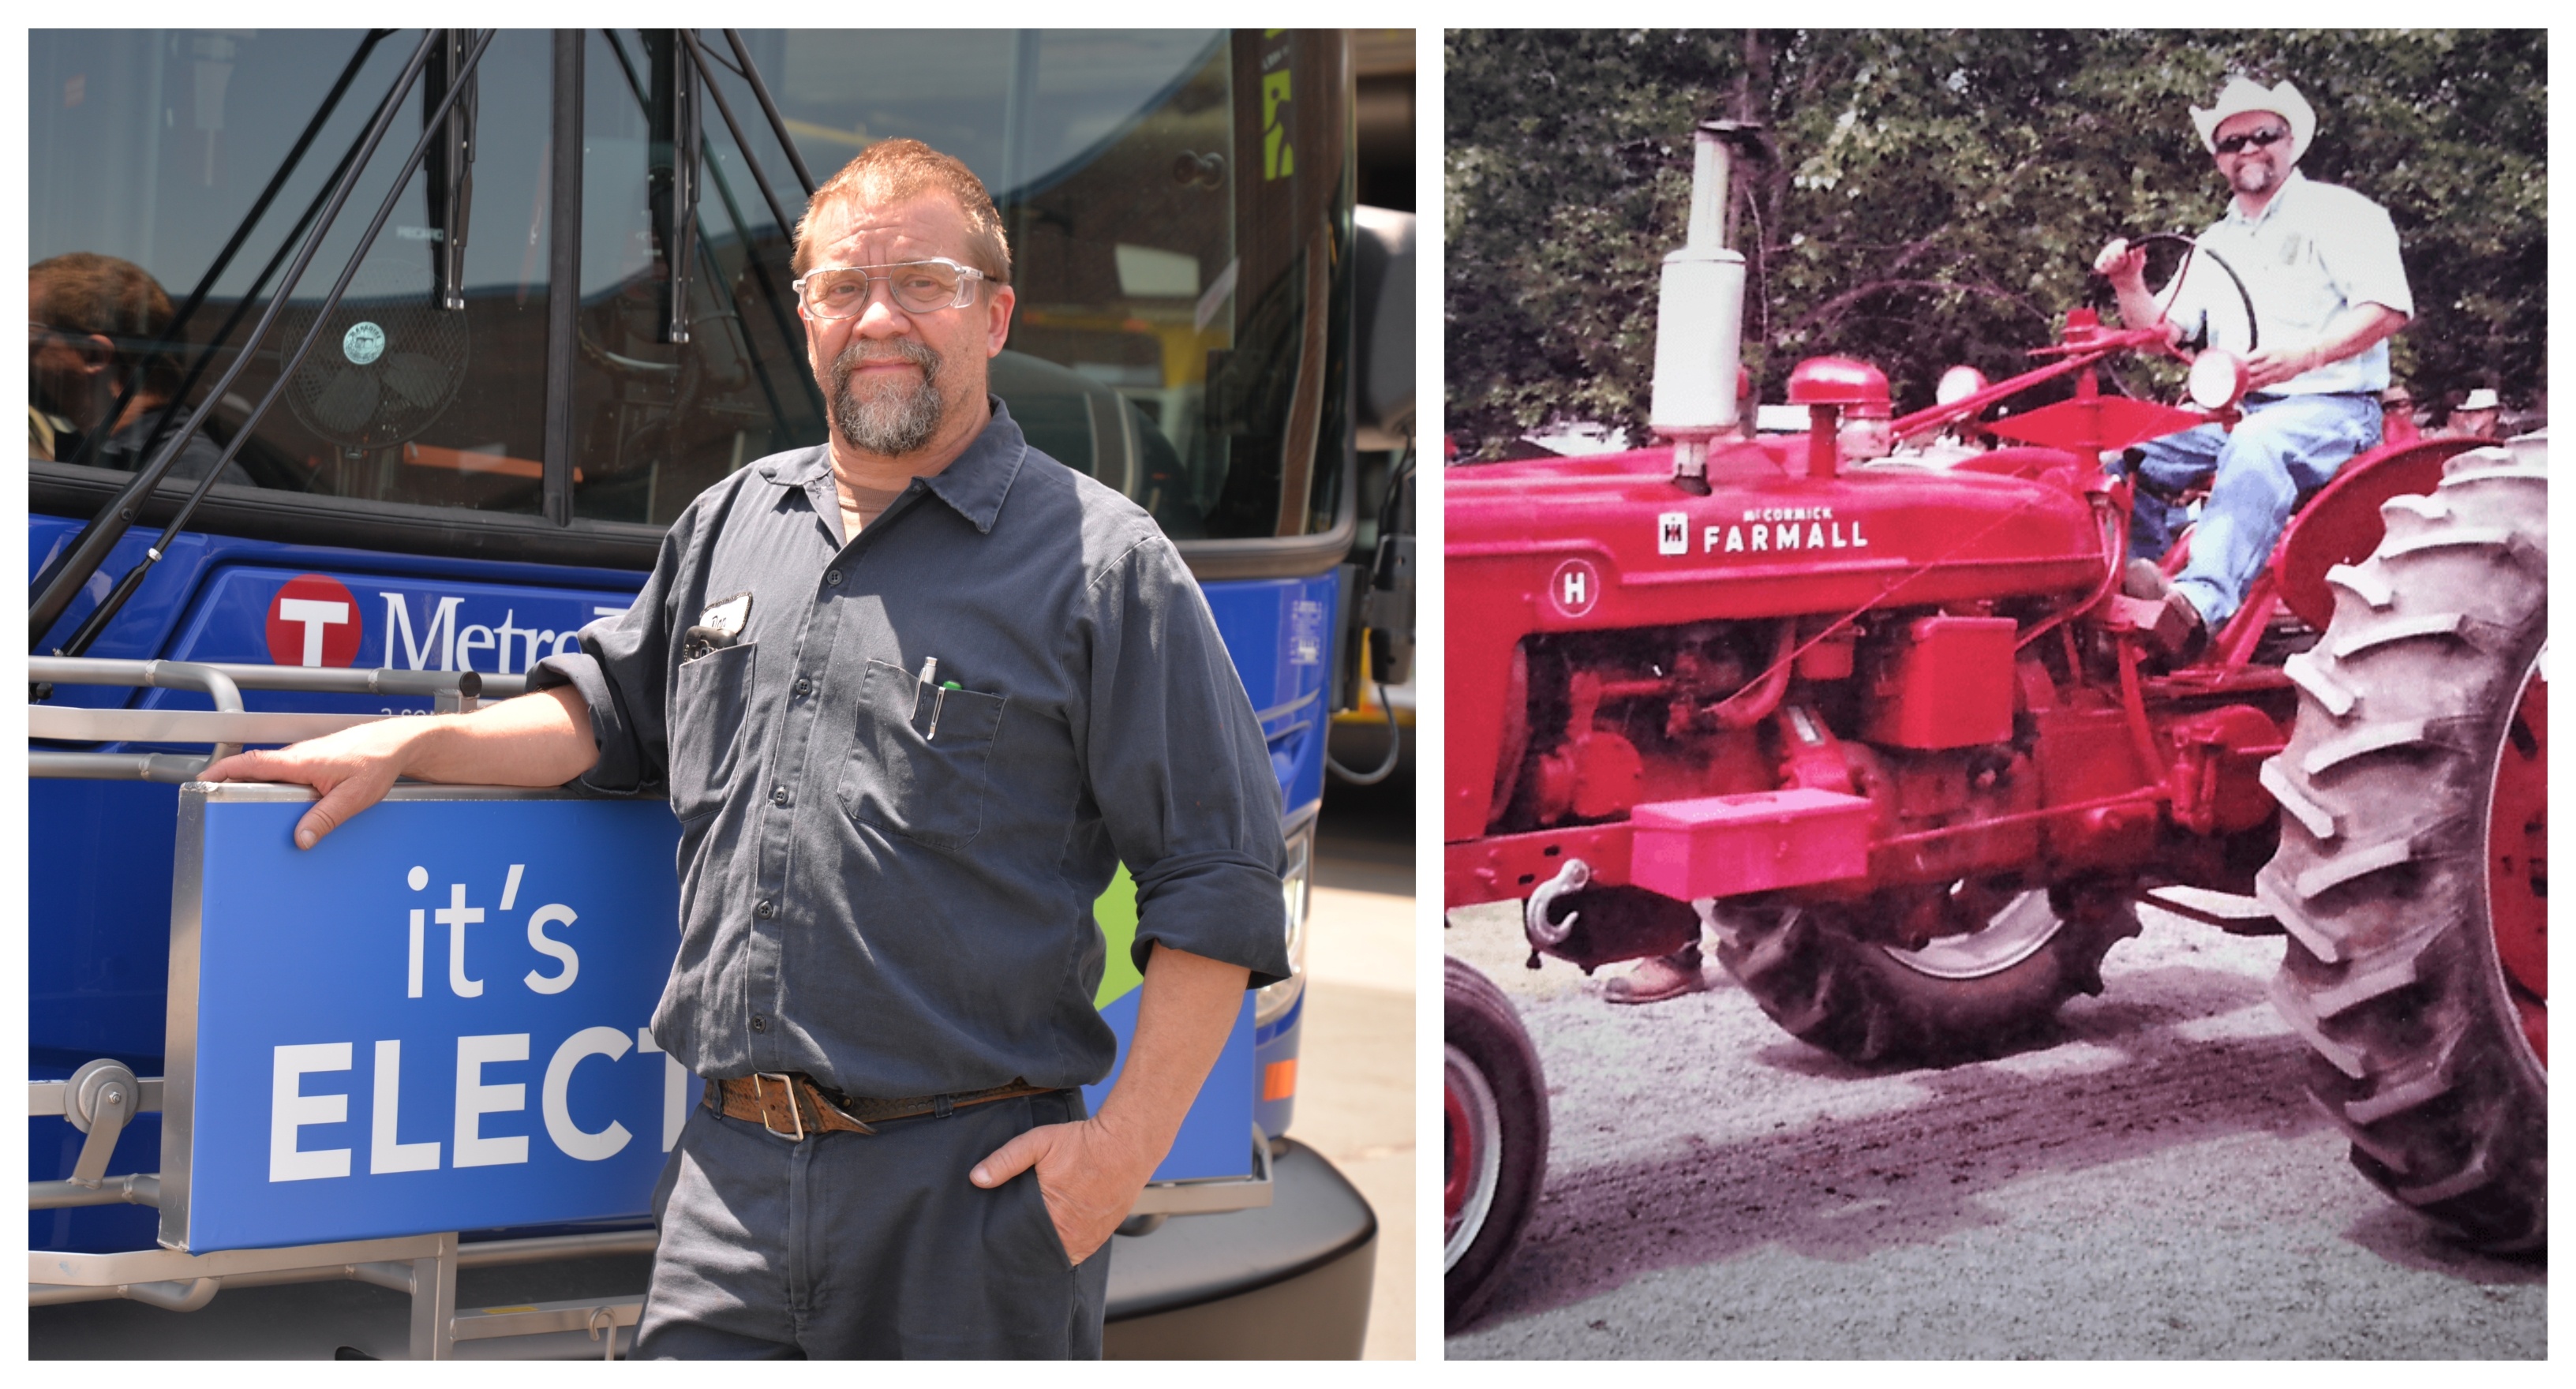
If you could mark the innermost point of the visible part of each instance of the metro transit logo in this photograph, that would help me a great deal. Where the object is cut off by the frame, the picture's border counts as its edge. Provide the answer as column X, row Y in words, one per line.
column 316, row 620
column 313, row 621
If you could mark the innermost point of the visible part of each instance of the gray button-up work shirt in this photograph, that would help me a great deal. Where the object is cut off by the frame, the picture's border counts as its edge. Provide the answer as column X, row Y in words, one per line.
column 900, row 909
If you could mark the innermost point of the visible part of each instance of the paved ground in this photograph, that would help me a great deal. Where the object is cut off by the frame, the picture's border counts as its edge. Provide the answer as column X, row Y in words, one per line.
column 1355, row 1091
column 2148, row 1183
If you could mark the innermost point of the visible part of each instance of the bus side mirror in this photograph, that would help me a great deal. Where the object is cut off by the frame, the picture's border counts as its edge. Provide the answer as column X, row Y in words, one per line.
column 1387, row 610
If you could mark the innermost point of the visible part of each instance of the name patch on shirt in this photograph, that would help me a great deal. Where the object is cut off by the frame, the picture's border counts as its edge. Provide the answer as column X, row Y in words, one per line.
column 718, row 627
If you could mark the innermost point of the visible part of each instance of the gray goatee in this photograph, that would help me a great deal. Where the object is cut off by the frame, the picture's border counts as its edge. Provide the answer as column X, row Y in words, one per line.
column 898, row 417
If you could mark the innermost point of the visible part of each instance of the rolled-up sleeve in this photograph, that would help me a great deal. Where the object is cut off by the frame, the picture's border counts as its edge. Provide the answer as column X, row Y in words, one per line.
column 1179, row 769
column 621, row 674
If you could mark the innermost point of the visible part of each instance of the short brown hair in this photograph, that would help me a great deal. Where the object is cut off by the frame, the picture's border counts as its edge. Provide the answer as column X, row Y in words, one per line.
column 891, row 171
column 85, row 292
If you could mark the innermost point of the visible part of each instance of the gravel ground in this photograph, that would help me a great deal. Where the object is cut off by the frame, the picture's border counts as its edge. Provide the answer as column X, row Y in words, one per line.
column 2147, row 1182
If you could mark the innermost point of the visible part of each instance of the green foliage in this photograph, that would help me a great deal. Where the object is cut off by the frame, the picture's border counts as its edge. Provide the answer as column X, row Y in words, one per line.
column 1937, row 198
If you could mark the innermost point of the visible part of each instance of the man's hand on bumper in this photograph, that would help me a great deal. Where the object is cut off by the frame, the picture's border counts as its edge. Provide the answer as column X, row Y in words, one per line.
column 541, row 739
column 351, row 770
column 1088, row 1174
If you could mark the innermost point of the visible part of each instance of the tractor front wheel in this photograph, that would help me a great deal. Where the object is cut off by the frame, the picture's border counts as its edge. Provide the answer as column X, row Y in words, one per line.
column 2413, row 871
column 1960, row 997
column 1494, row 1147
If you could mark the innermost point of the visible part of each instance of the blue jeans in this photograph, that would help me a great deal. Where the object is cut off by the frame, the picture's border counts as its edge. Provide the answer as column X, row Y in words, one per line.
column 2283, row 447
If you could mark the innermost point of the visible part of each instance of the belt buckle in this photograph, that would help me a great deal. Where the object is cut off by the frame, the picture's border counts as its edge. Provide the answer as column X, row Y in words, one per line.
column 760, row 1088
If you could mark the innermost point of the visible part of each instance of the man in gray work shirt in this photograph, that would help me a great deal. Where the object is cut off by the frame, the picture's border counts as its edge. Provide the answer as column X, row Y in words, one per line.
column 914, row 696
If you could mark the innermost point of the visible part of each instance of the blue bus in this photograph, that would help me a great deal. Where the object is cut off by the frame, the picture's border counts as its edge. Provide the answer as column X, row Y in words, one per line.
column 297, row 403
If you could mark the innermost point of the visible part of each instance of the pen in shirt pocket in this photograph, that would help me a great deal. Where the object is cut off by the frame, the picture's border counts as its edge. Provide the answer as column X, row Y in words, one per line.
column 928, row 681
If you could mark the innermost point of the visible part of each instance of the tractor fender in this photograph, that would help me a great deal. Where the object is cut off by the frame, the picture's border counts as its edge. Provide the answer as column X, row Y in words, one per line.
column 2341, row 524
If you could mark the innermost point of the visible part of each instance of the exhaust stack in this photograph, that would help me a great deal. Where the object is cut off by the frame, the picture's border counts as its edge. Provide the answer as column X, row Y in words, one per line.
column 1699, row 319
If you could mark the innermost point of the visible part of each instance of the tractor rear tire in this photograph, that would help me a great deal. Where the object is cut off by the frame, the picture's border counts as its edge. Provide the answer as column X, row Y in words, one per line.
column 1960, row 998
column 2411, row 874
column 1495, row 1137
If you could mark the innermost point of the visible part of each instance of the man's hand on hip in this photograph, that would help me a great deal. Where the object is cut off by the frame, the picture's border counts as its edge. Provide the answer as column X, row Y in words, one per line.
column 1088, row 1173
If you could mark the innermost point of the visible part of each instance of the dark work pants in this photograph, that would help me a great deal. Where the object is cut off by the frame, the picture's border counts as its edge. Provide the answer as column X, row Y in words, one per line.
column 875, row 1245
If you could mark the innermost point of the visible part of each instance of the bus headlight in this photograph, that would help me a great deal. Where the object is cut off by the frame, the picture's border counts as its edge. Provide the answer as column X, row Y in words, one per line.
column 1272, row 1002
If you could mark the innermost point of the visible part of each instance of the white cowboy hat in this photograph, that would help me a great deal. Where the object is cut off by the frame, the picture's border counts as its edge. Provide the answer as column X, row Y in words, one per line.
column 2243, row 95
column 2481, row 399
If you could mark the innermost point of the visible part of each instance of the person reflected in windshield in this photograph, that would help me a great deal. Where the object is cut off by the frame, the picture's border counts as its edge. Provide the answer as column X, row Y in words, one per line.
column 92, row 324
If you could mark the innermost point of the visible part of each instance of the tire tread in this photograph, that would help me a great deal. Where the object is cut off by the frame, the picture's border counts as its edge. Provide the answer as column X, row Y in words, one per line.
column 1480, row 1021
column 2390, row 972
column 1832, row 990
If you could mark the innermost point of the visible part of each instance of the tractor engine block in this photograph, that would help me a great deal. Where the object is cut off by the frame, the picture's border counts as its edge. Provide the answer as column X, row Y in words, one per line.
column 1942, row 754
column 1912, row 710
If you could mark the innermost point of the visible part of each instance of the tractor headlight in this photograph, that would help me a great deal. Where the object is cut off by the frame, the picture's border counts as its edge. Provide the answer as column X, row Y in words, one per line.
column 1957, row 384
column 2217, row 381
column 1273, row 1001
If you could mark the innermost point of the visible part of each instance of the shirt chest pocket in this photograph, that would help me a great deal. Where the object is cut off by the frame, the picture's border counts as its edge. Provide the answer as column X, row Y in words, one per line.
column 919, row 758
column 708, row 697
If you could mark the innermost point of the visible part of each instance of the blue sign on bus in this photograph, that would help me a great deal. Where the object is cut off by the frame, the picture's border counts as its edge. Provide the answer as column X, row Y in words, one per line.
column 439, row 1018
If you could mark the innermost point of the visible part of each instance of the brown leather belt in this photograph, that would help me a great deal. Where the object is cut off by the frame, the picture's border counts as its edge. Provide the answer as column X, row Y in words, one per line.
column 792, row 1105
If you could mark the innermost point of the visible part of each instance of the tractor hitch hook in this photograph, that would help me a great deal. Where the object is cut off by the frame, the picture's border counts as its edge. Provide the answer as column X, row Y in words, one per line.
column 1542, row 932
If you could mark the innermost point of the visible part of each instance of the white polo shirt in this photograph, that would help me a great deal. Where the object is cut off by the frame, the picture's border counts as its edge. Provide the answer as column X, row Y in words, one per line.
column 2316, row 250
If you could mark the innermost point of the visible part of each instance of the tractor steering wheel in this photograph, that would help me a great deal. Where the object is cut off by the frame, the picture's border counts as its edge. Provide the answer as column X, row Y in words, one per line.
column 2192, row 252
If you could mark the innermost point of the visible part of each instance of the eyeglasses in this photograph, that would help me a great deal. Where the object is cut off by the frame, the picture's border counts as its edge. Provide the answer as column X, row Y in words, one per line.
column 918, row 286
column 2259, row 139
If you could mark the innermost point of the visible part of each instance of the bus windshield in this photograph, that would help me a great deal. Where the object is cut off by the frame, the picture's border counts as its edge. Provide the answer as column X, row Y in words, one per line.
column 1176, row 200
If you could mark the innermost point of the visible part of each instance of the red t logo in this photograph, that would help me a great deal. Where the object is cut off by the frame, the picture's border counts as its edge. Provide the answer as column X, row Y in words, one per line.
column 313, row 621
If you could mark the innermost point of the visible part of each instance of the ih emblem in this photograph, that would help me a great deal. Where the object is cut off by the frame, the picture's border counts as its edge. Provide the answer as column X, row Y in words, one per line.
column 1576, row 587
column 1672, row 533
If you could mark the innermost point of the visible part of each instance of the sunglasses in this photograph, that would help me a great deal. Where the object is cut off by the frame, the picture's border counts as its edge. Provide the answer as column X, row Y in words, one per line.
column 2259, row 139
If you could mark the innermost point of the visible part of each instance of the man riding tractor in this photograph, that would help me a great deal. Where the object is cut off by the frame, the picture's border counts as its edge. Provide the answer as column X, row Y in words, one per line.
column 2320, row 264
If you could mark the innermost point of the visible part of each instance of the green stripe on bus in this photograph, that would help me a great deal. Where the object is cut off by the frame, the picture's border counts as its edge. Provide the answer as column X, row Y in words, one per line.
column 1116, row 912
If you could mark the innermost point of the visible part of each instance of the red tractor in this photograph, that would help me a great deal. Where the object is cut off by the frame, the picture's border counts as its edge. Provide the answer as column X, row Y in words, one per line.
column 1890, row 726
